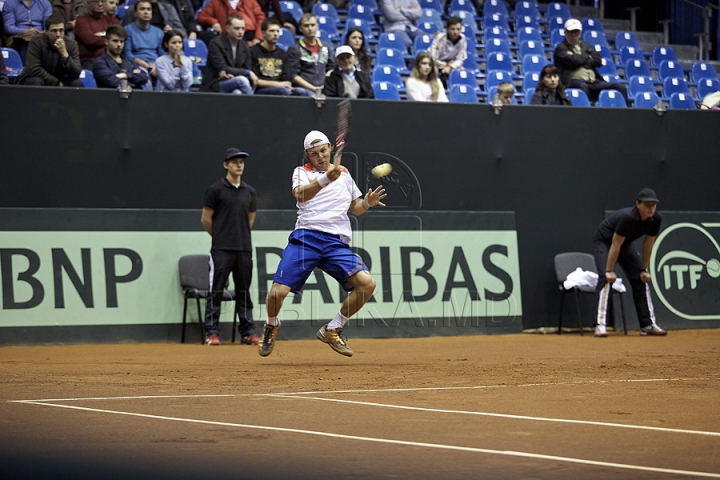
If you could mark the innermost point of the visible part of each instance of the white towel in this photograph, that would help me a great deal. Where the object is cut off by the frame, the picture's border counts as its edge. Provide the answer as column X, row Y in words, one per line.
column 584, row 278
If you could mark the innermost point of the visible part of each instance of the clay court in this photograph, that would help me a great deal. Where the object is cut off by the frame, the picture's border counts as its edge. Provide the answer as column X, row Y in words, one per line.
column 510, row 406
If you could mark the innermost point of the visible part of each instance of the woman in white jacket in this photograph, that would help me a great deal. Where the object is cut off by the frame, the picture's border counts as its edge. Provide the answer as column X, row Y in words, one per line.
column 423, row 84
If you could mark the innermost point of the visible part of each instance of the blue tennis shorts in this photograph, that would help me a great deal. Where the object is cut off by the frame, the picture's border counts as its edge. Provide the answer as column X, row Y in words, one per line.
column 308, row 249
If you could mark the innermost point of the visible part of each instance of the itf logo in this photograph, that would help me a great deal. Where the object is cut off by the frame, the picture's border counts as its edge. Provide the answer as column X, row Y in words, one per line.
column 686, row 269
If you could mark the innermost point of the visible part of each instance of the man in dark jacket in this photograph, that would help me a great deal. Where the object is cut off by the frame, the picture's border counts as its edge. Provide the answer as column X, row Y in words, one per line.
column 346, row 80
column 578, row 62
column 112, row 67
column 229, row 62
column 310, row 59
column 52, row 59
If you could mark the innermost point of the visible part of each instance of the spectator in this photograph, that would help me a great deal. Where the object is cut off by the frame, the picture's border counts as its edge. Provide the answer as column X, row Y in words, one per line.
column 449, row 49
column 164, row 16
column 399, row 18
column 288, row 22
column 549, row 90
column 113, row 66
column 577, row 62
column 174, row 70
column 345, row 80
column 23, row 21
column 310, row 58
column 70, row 10
column 90, row 32
column 4, row 80
column 111, row 7
column 52, row 59
column 423, row 84
column 229, row 63
column 505, row 92
column 356, row 39
column 143, row 44
column 216, row 13
column 268, row 63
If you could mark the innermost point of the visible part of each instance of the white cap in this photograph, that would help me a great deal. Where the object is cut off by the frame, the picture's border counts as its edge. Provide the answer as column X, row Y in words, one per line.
column 573, row 24
column 344, row 49
column 315, row 138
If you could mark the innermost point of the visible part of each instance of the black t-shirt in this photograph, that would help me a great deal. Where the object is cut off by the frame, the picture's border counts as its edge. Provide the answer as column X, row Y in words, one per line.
column 231, row 208
column 626, row 222
column 157, row 19
column 268, row 65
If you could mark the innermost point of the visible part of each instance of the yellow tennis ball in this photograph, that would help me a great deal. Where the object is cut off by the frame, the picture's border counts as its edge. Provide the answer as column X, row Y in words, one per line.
column 382, row 170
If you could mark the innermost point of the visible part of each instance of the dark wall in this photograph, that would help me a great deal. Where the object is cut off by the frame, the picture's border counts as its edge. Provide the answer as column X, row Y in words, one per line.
column 559, row 169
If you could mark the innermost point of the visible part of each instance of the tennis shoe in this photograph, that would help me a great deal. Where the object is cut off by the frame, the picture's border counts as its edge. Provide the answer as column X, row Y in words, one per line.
column 212, row 339
column 251, row 339
column 600, row 331
column 267, row 341
column 336, row 339
column 653, row 330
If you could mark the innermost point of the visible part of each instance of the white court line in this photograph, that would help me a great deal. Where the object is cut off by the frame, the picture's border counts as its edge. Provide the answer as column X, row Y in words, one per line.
column 138, row 397
column 509, row 453
column 502, row 415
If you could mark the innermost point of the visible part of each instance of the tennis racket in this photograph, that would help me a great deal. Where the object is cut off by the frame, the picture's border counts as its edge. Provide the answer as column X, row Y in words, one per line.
column 344, row 112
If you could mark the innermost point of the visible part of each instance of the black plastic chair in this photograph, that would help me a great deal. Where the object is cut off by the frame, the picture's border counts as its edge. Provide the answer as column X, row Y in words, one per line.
column 565, row 263
column 195, row 283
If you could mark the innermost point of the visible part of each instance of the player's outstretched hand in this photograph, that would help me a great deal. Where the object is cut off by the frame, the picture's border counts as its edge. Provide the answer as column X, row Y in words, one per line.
column 373, row 197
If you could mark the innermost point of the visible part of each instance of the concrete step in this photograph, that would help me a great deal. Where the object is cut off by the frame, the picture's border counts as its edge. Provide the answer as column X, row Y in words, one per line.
column 584, row 12
column 615, row 25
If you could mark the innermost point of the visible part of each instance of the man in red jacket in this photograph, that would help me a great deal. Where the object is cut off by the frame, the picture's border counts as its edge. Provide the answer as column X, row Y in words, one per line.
column 90, row 32
column 216, row 13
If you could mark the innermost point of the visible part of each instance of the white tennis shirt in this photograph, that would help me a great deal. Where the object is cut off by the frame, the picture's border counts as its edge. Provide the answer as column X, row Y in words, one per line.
column 326, row 211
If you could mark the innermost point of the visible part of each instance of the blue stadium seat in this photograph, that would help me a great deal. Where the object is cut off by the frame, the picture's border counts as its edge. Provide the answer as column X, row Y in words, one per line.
column 385, row 91
column 594, row 37
column 630, row 53
column 468, row 20
column 578, row 97
column 498, row 45
column 328, row 26
column 88, row 79
column 706, row 86
column 12, row 61
column 639, row 85
column 196, row 48
column 607, row 68
column 592, row 24
column 491, row 95
column 702, row 70
column 556, row 23
column 604, row 52
column 286, row 39
column 527, row 21
column 530, row 80
column 371, row 4
column 323, row 35
column 392, row 40
column 528, row 33
column 466, row 5
column 533, row 63
column 494, row 6
column 499, row 61
column 557, row 36
column 463, row 94
column 471, row 63
column 293, row 8
column 432, row 5
column 362, row 12
column 558, row 10
column 529, row 92
column 421, row 43
column 611, row 98
column 326, row 10
column 389, row 75
column 646, row 100
column 634, row 68
column 662, row 53
column 362, row 25
column 531, row 47
column 470, row 36
column 392, row 58
column 429, row 15
column 670, row 69
column 463, row 77
column 496, row 20
column 682, row 101
column 122, row 10
column 496, row 32
column 527, row 8
column 428, row 28
column 675, row 85
column 626, row 39
column 497, row 77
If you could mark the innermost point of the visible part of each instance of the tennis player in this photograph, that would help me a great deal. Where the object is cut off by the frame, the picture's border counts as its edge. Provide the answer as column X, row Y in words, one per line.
column 325, row 192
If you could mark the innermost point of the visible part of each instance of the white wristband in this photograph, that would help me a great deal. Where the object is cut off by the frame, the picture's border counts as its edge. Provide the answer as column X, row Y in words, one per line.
column 366, row 205
column 323, row 181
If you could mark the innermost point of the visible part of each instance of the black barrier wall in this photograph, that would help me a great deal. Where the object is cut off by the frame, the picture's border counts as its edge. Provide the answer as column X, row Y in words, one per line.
column 558, row 169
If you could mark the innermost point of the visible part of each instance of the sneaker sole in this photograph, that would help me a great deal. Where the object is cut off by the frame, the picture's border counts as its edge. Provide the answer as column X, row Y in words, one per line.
column 347, row 353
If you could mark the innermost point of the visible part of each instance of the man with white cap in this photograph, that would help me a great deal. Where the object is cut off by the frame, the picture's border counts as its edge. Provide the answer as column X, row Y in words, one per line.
column 324, row 192
column 578, row 61
column 613, row 244
column 345, row 80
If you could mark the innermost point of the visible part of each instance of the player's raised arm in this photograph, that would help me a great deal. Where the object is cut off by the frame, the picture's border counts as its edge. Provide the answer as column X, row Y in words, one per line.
column 372, row 198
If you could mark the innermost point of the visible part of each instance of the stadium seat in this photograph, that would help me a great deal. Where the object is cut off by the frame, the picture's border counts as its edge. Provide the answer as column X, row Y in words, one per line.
column 533, row 63
column 702, row 70
column 421, row 43
column 528, row 33
column 392, row 40
column 529, row 92
column 326, row 10
column 429, row 15
column 499, row 61
column 496, row 20
column 611, row 98
column 496, row 32
column 558, row 10
column 646, row 100
column 604, row 52
column 578, row 97
column 293, row 8
column 428, row 28
column 607, row 68
column 323, row 35
column 471, row 63
column 362, row 12
column 88, row 79
column 531, row 47
column 463, row 94
column 670, row 69
column 466, row 5
column 593, row 37
column 122, row 10
column 362, row 25
column 468, row 20
column 495, row 78
column 527, row 21
column 634, row 68
column 675, row 85
column 557, row 36
column 498, row 45
column 469, row 35
column 707, row 86
column 196, row 49
column 463, row 77
column 592, row 24
column 12, row 61
column 392, row 58
column 385, row 91
column 630, row 53
column 493, row 91
column 662, row 53
column 286, row 39
column 626, row 39
column 328, row 26
column 639, row 85
column 682, row 101
column 371, row 4
column 432, row 5
column 388, row 75
column 530, row 80
column 556, row 23
column 491, row 7
column 526, row 8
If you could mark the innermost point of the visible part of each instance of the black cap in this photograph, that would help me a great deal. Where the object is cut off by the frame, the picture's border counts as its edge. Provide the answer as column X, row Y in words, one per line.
column 234, row 152
column 647, row 195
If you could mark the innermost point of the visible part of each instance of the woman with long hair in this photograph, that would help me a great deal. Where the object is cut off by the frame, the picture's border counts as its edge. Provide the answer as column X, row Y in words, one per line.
column 549, row 90
column 423, row 84
column 174, row 70
column 356, row 40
